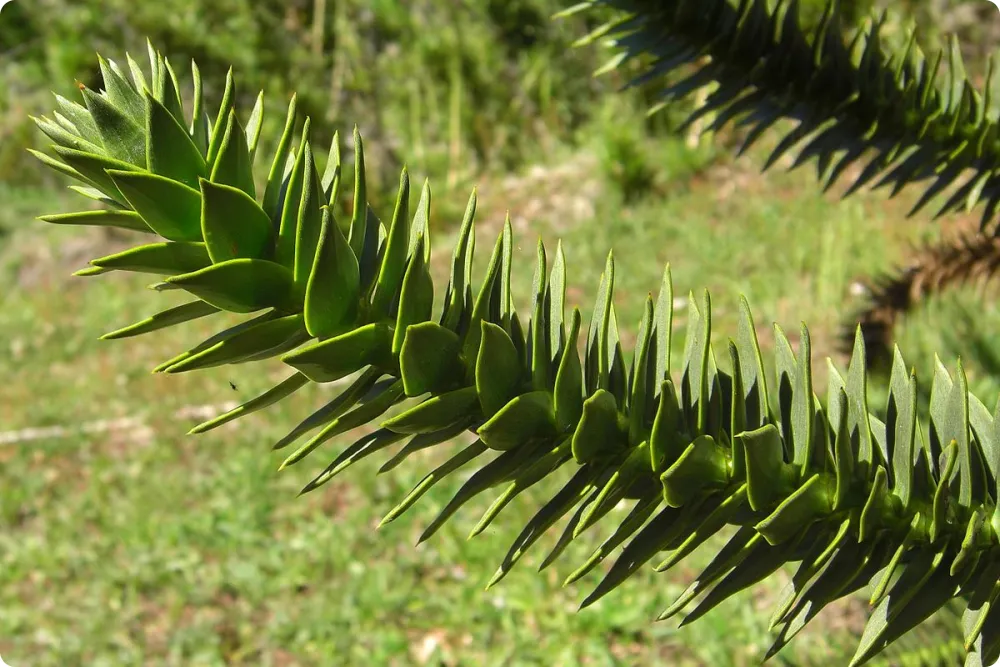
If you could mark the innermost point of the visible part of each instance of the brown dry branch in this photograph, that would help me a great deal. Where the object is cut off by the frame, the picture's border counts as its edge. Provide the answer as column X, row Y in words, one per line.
column 958, row 258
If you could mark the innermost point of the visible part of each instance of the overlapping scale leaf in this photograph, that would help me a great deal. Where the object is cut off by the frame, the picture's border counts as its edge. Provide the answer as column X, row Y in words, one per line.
column 232, row 224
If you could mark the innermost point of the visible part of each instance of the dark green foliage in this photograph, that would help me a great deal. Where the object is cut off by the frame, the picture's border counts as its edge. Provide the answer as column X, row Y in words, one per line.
column 851, row 102
column 346, row 62
column 850, row 498
column 840, row 492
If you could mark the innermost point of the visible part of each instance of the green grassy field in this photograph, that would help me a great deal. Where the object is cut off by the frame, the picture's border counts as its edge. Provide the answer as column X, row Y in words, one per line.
column 139, row 545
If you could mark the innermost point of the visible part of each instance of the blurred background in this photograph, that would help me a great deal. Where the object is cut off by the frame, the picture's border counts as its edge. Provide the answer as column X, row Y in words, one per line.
column 125, row 542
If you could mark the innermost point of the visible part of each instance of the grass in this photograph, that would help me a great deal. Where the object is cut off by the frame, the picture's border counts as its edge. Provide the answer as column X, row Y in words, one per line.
column 149, row 547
